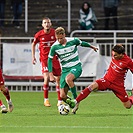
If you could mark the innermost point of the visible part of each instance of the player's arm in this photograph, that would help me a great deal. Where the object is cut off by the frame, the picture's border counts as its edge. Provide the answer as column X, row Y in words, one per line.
column 35, row 41
column 51, row 76
column 86, row 44
column 33, row 53
column 50, row 64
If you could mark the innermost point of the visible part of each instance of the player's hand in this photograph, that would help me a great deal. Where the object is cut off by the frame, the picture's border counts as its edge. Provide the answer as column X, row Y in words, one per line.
column 95, row 49
column 51, row 77
column 34, row 61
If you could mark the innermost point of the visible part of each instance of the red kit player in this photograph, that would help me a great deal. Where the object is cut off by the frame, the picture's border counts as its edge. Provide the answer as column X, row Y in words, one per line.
column 46, row 38
column 6, row 93
column 113, row 79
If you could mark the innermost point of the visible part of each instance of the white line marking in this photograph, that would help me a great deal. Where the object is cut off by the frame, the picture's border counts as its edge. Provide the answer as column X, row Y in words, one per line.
column 92, row 127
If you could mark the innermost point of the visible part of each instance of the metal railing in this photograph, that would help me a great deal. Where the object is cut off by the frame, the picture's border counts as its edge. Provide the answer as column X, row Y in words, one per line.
column 105, row 43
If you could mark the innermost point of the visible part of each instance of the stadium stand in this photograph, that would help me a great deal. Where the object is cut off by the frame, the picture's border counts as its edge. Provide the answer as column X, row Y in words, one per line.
column 57, row 11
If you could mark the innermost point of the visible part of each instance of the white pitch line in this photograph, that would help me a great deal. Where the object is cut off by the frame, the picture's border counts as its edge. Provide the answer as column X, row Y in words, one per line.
column 91, row 127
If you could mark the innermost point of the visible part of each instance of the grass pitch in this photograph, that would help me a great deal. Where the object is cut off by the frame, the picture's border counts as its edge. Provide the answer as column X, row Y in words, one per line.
column 100, row 112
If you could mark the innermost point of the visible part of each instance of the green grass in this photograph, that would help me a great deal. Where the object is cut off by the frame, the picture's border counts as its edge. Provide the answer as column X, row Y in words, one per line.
column 100, row 112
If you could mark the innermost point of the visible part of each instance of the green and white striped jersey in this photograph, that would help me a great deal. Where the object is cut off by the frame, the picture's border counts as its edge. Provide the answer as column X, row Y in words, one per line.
column 68, row 54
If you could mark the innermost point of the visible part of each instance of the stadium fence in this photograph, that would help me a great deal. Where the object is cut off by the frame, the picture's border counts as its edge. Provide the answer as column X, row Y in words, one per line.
column 105, row 40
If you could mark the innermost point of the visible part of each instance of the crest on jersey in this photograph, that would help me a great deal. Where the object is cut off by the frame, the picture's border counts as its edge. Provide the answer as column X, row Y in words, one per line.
column 120, row 63
column 52, row 37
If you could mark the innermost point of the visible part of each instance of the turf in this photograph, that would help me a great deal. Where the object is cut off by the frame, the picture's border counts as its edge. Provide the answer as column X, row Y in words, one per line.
column 100, row 112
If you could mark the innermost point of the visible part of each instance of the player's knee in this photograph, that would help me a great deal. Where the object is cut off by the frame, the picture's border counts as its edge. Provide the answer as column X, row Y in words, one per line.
column 63, row 96
column 93, row 86
column 67, row 80
column 128, row 105
column 2, row 88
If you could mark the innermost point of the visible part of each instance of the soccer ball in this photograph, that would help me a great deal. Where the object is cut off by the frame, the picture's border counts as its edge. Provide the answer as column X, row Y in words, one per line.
column 64, row 109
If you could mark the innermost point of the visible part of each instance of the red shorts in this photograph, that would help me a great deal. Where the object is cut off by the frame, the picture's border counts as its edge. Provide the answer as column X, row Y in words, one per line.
column 56, row 67
column 1, row 78
column 118, row 90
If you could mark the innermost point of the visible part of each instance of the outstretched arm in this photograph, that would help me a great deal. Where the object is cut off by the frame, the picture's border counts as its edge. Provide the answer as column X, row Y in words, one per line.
column 86, row 44
column 94, row 48
column 51, row 76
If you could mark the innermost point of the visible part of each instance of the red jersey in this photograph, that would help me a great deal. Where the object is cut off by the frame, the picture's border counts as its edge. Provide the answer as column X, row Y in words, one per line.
column 118, row 69
column 45, row 42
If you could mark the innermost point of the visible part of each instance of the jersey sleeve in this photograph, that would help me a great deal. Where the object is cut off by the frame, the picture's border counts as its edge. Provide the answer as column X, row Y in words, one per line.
column 52, row 52
column 36, row 38
column 85, row 44
column 50, row 64
column 50, row 58
column 82, row 43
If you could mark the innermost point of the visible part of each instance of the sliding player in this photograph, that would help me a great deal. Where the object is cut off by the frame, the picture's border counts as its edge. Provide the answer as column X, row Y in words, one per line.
column 113, row 79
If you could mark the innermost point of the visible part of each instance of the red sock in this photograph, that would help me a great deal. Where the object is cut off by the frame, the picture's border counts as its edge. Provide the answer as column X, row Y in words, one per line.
column 45, row 88
column 131, row 99
column 6, row 94
column 1, row 103
column 58, row 92
column 83, row 94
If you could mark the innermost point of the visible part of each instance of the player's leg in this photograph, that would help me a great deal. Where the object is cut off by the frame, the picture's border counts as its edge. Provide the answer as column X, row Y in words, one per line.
column 83, row 94
column 6, row 93
column 100, row 84
column 4, row 90
column 63, row 93
column 46, row 89
column 46, row 82
column 131, row 96
column 63, row 87
column 70, row 81
column 58, row 90
column 3, row 107
column 129, row 103
column 57, row 74
column 75, row 72
column 121, row 93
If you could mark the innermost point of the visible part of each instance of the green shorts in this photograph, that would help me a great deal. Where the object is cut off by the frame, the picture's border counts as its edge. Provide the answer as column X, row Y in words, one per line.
column 76, row 71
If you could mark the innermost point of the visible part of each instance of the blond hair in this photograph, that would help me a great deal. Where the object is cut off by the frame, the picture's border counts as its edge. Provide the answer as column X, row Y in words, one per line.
column 59, row 31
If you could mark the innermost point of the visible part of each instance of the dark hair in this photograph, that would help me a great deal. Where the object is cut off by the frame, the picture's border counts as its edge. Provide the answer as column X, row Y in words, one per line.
column 86, row 11
column 119, row 49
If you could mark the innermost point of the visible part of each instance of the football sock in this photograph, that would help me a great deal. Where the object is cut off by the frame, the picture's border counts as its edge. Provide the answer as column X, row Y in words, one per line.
column 58, row 92
column 45, row 99
column 73, row 90
column 1, row 103
column 83, row 94
column 59, row 101
column 6, row 94
column 45, row 88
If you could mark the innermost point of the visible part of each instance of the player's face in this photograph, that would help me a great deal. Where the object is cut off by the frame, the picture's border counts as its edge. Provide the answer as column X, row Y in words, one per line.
column 61, row 38
column 46, row 24
column 116, row 55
